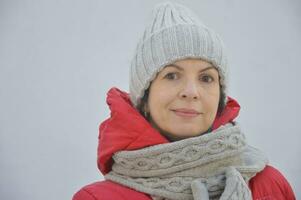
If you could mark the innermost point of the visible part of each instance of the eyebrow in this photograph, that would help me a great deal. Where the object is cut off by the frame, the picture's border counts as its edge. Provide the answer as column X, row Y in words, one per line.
column 181, row 68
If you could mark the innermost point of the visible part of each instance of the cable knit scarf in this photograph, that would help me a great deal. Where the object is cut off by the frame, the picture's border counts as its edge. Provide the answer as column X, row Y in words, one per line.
column 217, row 165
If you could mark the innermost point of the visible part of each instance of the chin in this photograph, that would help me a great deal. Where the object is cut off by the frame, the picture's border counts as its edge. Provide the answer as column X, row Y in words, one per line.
column 185, row 133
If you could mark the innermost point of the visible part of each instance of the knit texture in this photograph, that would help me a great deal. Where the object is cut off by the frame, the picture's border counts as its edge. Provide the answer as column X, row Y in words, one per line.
column 217, row 165
column 174, row 33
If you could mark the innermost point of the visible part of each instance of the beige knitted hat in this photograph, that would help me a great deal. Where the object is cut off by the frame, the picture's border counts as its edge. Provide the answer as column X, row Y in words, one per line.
column 174, row 33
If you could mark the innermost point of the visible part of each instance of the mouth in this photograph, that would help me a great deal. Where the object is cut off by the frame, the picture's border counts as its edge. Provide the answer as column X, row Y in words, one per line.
column 186, row 113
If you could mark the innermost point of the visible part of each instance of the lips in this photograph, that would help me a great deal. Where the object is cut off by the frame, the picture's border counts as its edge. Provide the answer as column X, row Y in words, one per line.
column 186, row 112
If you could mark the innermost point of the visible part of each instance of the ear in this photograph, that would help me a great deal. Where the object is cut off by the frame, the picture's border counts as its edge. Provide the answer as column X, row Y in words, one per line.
column 146, row 107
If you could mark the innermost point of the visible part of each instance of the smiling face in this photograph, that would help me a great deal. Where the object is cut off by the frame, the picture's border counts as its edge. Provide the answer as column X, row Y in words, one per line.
column 183, row 98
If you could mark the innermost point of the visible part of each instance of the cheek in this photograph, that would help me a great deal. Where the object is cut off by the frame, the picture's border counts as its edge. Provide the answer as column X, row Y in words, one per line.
column 159, row 96
column 159, row 101
column 211, row 102
column 209, row 96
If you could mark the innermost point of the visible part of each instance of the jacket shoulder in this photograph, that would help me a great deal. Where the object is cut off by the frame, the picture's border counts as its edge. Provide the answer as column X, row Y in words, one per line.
column 108, row 190
column 270, row 184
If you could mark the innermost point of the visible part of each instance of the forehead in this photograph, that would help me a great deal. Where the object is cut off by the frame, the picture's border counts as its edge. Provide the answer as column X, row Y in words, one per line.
column 191, row 64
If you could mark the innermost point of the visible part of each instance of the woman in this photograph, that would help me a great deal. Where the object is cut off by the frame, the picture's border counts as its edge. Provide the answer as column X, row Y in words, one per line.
column 174, row 136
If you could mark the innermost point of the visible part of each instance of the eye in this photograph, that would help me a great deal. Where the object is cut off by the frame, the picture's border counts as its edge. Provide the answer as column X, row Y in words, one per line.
column 206, row 78
column 171, row 76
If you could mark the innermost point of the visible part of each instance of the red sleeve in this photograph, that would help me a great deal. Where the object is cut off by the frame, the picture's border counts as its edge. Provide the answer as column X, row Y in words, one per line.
column 107, row 190
column 83, row 195
column 270, row 184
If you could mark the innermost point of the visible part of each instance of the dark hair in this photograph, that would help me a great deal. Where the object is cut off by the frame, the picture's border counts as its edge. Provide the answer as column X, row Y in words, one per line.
column 142, row 103
column 222, row 103
column 144, row 100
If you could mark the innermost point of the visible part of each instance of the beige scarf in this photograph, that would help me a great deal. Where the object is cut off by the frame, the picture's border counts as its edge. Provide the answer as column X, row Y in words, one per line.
column 217, row 165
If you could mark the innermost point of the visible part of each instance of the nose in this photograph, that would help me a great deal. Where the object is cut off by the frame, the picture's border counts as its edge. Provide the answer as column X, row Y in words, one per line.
column 190, row 91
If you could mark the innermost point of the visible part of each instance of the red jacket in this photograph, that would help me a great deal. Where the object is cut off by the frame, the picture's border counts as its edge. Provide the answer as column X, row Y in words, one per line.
column 126, row 129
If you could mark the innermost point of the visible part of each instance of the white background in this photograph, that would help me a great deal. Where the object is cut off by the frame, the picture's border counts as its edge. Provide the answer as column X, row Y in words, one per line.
column 59, row 58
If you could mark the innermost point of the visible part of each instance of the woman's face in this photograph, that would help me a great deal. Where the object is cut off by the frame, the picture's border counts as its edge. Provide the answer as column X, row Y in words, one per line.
column 183, row 99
